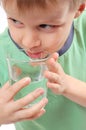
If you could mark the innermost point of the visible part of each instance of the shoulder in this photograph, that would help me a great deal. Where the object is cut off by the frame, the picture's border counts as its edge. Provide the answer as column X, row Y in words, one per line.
column 80, row 29
column 80, row 22
column 4, row 37
column 5, row 41
column 5, row 44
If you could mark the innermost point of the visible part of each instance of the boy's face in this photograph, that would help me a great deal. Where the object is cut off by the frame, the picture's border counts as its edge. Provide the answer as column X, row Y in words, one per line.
column 39, row 30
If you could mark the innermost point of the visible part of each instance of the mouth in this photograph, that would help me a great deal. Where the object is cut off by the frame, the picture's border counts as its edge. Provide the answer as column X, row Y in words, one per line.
column 38, row 55
column 34, row 55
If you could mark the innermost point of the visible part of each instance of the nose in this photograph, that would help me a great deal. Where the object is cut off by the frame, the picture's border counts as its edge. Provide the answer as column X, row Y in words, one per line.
column 31, row 40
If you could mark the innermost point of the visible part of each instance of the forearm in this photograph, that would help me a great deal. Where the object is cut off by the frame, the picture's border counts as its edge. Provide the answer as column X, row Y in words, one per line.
column 75, row 90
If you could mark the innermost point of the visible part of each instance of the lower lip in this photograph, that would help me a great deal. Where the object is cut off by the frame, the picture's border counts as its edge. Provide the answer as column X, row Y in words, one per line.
column 34, row 55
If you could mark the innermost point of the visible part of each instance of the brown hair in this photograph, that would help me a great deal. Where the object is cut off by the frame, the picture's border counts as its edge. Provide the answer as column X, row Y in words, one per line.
column 42, row 4
column 31, row 3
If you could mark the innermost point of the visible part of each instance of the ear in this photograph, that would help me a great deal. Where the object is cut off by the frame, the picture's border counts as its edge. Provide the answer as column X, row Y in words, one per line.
column 80, row 10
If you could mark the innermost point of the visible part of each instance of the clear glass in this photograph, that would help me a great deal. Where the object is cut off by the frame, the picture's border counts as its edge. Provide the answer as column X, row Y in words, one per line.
column 20, row 66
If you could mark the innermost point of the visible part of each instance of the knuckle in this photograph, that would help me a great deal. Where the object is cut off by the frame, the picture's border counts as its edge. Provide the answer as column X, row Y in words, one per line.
column 12, row 90
column 22, row 103
column 33, row 96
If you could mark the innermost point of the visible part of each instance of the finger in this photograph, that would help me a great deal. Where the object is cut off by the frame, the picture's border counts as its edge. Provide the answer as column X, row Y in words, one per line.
column 6, row 85
column 52, row 77
column 56, row 88
column 55, row 56
column 54, row 66
column 15, row 88
column 4, row 96
column 30, row 112
column 3, row 89
column 27, row 99
column 51, row 64
column 39, row 114
column 17, row 118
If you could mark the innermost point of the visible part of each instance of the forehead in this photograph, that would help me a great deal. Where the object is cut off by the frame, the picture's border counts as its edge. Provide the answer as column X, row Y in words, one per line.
column 53, row 13
column 50, row 10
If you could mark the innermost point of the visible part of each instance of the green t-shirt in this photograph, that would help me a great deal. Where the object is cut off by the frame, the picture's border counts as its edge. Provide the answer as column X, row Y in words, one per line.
column 61, row 113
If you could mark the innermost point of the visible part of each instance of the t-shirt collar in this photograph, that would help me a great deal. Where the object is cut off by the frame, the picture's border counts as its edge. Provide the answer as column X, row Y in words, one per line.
column 68, row 42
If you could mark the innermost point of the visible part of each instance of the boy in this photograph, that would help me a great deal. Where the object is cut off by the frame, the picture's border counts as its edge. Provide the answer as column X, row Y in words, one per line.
column 39, row 26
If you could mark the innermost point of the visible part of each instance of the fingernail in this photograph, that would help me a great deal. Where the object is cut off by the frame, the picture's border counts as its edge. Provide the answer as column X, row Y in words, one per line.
column 40, row 90
column 45, row 100
column 27, row 79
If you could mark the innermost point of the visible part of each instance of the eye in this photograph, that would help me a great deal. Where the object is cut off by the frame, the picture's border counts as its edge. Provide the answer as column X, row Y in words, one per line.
column 16, row 22
column 47, row 27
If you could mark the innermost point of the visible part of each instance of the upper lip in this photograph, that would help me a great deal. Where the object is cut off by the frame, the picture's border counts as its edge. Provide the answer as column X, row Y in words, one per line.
column 34, row 52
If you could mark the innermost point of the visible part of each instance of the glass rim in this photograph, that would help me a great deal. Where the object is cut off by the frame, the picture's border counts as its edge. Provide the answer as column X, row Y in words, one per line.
column 32, row 60
column 36, row 59
column 28, row 61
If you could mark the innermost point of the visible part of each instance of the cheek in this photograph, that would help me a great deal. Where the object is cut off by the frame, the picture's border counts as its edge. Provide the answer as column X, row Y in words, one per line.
column 16, row 36
column 15, row 33
column 53, row 43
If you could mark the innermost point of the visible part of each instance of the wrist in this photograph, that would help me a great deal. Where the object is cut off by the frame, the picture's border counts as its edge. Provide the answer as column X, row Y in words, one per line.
column 67, row 85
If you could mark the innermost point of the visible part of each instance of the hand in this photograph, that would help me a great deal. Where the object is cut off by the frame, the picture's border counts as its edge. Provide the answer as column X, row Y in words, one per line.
column 12, row 111
column 66, row 85
column 55, row 75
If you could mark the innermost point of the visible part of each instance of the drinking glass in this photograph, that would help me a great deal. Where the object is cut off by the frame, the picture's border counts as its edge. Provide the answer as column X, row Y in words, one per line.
column 20, row 66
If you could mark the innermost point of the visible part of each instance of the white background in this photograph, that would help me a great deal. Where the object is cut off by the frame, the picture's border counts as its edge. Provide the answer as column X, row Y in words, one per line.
column 3, row 21
column 3, row 24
